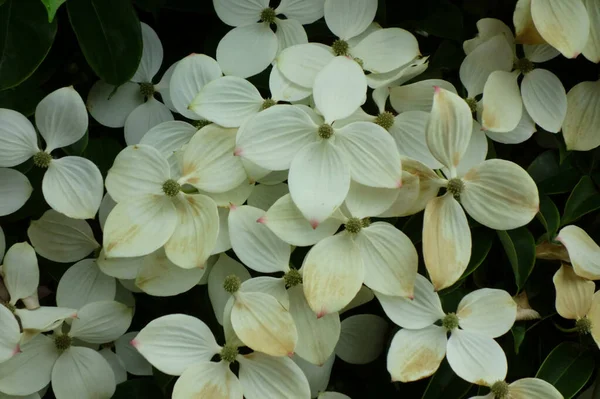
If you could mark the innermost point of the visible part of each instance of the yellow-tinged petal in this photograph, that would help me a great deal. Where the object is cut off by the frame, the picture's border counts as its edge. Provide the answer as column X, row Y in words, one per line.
column 208, row 380
column 502, row 103
column 594, row 316
column 580, row 127
column 583, row 251
column 533, row 388
column 591, row 51
column 573, row 293
column 526, row 32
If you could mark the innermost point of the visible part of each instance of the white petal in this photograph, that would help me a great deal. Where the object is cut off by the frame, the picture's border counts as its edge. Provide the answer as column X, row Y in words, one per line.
column 264, row 196
column 111, row 108
column 476, row 151
column 487, row 311
column 591, row 51
column 237, row 196
column 82, row 373
column 386, row 49
column 540, row 52
column 317, row 376
column 263, row 376
column 534, row 388
column 333, row 272
column 446, row 241
column 115, row 364
column 209, row 163
column 42, row 319
column 224, row 267
column 84, row 283
column 545, row 99
column 272, row 286
column 15, row 190
column 319, row 180
column 526, row 32
column 263, row 324
column 61, row 118
column 521, row 133
column 283, row 89
column 223, row 242
column 339, row 89
column 409, row 133
column 173, row 343
column 488, row 28
column 289, row 33
column 372, row 154
column 362, row 339
column 583, row 115
column 348, row 18
column 364, row 201
column 18, row 140
column 60, row 238
column 106, row 206
column 476, row 358
column 196, row 232
column 272, row 138
column 152, row 56
column 164, row 87
column 139, row 226
column 122, row 268
column 227, row 101
column 583, row 251
column 573, row 293
column 500, row 195
column 317, row 338
column 237, row 13
column 301, row 63
column 2, row 244
column 416, row 354
column 247, row 50
column 399, row 75
column 363, row 296
column 502, row 104
column 145, row 117
column 208, row 380
column 133, row 361
column 100, row 322
column 169, row 138
column 565, row 26
column 449, row 128
column 496, row 54
column 303, row 11
column 10, row 335
column 420, row 312
column 417, row 96
column 190, row 76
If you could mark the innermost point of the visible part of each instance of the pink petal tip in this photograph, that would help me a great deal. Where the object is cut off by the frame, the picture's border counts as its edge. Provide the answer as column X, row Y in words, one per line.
column 134, row 342
column 232, row 206
column 437, row 89
column 17, row 350
column 321, row 314
column 314, row 223
column 399, row 184
column 237, row 152
column 261, row 220
column 290, row 354
column 576, row 55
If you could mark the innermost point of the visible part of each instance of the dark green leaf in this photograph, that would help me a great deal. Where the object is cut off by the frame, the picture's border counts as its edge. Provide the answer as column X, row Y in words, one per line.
column 163, row 381
column 102, row 152
column 78, row 147
column 444, row 20
column 568, row 367
column 549, row 215
column 583, row 200
column 138, row 388
column 25, row 39
column 519, row 246
column 22, row 98
column 518, row 332
column 150, row 5
column 110, row 36
column 413, row 228
column 445, row 384
column 551, row 176
column 52, row 7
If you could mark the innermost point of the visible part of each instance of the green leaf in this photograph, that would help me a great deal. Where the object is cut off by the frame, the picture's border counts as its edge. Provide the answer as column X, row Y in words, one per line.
column 138, row 388
column 445, row 384
column 518, row 332
column 444, row 20
column 568, row 367
column 52, row 7
column 549, row 215
column 519, row 246
column 102, row 152
column 25, row 39
column 79, row 146
column 551, row 176
column 22, row 98
column 109, row 34
column 413, row 228
column 583, row 200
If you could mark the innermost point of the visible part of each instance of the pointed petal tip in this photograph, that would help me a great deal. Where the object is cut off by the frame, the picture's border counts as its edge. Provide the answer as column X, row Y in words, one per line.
column 232, row 206
column 290, row 354
column 575, row 55
column 262, row 220
column 399, row 184
column 135, row 343
column 237, row 152
column 437, row 89
column 314, row 223
column 321, row 313
column 17, row 350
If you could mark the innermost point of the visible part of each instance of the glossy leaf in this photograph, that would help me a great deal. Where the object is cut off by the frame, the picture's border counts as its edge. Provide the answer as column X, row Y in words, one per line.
column 519, row 246
column 549, row 215
column 584, row 199
column 51, row 7
column 446, row 384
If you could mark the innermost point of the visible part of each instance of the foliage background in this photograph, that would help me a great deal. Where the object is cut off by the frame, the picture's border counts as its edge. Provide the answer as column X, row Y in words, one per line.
column 568, row 182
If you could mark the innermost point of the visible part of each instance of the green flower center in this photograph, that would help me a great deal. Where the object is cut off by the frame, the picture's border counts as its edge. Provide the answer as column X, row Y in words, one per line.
column 325, row 131
column 42, row 159
column 171, row 188
column 524, row 66
column 232, row 284
column 62, row 342
column 229, row 353
column 292, row 278
column 201, row 123
column 147, row 89
column 500, row 390
column 450, row 321
column 268, row 103
column 472, row 103
column 583, row 326
column 455, row 187
column 340, row 47
column 353, row 225
column 268, row 15
column 385, row 120
column 366, row 222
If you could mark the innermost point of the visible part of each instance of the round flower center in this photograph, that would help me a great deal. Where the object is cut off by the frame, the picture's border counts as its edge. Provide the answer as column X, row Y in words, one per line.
column 268, row 15
column 268, row 103
column 385, row 120
column 524, row 66
column 472, row 103
column 340, row 47
column 292, row 278
column 147, row 89
column 353, row 225
column 500, row 390
column 42, row 159
column 366, row 222
column 450, row 321
column 232, row 283
column 201, row 123
column 171, row 188
column 325, row 131
column 455, row 187
column 62, row 342
column 583, row 326
column 229, row 353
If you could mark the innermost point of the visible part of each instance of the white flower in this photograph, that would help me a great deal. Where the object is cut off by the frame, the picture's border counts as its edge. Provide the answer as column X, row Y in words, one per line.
column 418, row 349
column 15, row 189
column 182, row 345
column 583, row 115
column 123, row 358
column 584, row 253
column 524, row 388
column 251, row 46
column 71, row 185
column 133, row 104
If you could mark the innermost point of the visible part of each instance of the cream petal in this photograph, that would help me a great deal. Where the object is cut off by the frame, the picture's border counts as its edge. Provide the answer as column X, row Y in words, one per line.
column 583, row 251
column 301, row 63
column 207, row 380
column 10, row 335
column 417, row 96
column 502, row 104
column 289, row 33
column 152, row 56
column 101, row 322
column 487, row 311
column 583, row 115
column 84, row 283
column 15, row 190
column 348, row 18
column 224, row 267
column 591, row 51
column 18, row 140
column 386, row 49
column 110, row 105
column 545, row 99
column 525, row 29
column 533, row 388
column 145, row 117
column 20, row 271
column 364, row 201
column 573, row 293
